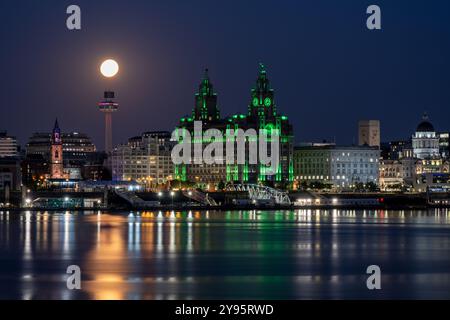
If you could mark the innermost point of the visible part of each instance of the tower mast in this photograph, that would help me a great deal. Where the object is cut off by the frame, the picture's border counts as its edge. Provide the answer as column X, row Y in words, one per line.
column 108, row 106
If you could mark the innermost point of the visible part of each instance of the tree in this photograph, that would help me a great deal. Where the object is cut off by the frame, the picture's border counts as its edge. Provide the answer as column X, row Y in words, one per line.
column 221, row 185
column 371, row 187
column 359, row 187
column 304, row 185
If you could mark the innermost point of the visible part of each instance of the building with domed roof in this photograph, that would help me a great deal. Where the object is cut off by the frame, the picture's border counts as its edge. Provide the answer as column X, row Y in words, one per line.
column 413, row 163
column 425, row 141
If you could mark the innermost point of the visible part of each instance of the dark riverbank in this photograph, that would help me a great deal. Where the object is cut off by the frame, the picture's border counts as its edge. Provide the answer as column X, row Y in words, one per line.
column 323, row 201
column 230, row 207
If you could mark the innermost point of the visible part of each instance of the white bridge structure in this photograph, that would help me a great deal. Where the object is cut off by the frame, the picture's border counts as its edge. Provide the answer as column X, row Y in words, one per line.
column 200, row 197
column 257, row 192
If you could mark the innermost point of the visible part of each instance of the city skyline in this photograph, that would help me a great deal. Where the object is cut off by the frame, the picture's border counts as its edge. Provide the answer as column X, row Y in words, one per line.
column 123, row 140
column 218, row 158
column 316, row 139
column 386, row 77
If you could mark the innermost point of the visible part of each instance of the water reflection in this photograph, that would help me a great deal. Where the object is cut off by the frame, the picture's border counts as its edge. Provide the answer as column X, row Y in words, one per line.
column 291, row 254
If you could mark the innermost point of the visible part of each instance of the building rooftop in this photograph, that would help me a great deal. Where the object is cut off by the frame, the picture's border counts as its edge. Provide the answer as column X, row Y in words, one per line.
column 335, row 147
column 425, row 125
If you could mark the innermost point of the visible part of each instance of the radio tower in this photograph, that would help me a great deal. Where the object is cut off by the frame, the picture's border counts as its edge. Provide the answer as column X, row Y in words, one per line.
column 108, row 106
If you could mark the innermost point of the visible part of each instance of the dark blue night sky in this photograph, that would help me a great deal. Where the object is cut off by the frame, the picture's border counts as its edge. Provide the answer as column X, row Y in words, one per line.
column 328, row 70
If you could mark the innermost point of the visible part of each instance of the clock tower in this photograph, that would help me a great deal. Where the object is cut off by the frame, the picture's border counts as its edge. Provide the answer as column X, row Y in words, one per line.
column 262, row 108
column 263, row 114
column 56, row 154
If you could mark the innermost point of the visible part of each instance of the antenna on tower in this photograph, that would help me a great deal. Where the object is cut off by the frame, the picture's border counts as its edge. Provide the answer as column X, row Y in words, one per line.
column 262, row 67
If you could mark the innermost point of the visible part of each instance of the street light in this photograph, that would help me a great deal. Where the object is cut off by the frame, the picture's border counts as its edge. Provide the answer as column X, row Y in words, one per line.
column 172, row 194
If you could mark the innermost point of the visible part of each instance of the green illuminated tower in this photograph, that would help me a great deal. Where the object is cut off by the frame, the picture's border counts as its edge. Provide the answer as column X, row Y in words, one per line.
column 206, row 102
column 207, row 111
column 263, row 114
column 262, row 104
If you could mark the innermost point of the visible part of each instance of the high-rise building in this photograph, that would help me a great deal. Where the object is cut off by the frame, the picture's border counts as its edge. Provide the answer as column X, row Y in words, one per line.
column 146, row 159
column 425, row 141
column 262, row 113
column 108, row 106
column 8, row 145
column 56, row 154
column 369, row 133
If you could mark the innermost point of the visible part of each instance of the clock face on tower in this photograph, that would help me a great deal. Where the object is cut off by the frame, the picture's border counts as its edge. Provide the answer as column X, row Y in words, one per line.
column 255, row 102
column 267, row 102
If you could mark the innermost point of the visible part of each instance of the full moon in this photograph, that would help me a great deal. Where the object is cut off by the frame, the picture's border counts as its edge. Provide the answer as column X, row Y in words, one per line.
column 109, row 68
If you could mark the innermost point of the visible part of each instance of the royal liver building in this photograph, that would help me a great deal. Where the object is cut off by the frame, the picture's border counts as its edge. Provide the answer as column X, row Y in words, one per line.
column 262, row 113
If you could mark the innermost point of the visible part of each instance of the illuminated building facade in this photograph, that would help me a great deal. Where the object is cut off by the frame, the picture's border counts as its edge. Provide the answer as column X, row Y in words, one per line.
column 262, row 113
column 76, row 146
column 56, row 154
column 8, row 145
column 10, row 174
column 145, row 159
column 339, row 166
column 411, row 163
column 80, row 157
column 444, row 144
column 425, row 141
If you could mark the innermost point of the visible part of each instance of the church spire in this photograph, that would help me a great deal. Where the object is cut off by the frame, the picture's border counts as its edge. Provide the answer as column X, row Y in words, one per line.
column 56, row 126
column 56, row 134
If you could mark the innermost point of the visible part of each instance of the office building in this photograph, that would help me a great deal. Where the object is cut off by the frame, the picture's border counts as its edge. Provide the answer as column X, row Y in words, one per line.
column 76, row 146
column 146, row 159
column 262, row 113
column 340, row 166
column 369, row 133
column 10, row 173
column 444, row 144
column 8, row 145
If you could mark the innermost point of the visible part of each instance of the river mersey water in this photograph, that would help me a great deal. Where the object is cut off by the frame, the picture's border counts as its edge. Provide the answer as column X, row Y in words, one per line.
column 298, row 254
